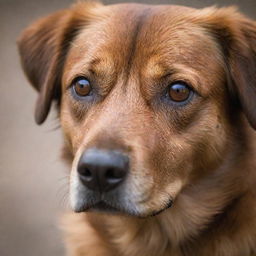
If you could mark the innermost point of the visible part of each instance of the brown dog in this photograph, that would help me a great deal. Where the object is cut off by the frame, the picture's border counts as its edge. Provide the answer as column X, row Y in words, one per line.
column 156, row 104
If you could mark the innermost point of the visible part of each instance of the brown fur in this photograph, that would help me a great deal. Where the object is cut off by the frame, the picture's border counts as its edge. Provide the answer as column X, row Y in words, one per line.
column 202, row 155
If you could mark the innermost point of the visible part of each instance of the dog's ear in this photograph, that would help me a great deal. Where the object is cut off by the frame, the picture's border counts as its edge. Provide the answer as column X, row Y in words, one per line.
column 236, row 35
column 43, row 47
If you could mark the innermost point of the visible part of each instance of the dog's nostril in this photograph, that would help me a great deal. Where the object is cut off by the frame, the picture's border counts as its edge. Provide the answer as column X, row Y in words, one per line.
column 114, row 175
column 85, row 173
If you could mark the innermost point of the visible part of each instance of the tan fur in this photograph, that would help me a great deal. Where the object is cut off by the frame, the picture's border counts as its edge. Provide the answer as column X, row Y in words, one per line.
column 202, row 155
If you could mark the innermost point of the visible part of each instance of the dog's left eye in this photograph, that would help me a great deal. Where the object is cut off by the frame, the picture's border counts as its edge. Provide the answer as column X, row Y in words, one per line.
column 179, row 92
column 81, row 86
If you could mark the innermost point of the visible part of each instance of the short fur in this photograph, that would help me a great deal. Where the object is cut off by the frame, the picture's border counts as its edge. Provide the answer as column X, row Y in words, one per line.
column 202, row 155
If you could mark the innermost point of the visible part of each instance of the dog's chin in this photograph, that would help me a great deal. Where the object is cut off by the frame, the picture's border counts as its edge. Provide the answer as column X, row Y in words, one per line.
column 104, row 207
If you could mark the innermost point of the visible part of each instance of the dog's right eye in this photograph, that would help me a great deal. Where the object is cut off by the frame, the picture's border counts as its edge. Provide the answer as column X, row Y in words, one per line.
column 81, row 86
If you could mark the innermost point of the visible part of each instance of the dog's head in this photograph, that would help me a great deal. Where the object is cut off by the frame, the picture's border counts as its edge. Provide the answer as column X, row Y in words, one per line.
column 148, row 96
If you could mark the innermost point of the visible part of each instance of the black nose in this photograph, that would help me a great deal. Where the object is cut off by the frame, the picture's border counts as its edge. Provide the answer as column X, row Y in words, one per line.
column 102, row 170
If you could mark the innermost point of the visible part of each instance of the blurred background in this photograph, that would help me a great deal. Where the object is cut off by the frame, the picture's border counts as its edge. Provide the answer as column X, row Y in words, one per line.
column 33, row 179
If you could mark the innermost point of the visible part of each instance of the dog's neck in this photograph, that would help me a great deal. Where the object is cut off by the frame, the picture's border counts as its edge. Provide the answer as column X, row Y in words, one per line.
column 196, row 208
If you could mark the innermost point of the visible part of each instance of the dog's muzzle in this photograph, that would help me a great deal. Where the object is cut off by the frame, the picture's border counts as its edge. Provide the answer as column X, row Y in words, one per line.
column 104, row 184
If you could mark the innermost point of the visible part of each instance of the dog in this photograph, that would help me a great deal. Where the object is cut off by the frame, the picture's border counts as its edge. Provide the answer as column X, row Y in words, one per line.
column 157, row 106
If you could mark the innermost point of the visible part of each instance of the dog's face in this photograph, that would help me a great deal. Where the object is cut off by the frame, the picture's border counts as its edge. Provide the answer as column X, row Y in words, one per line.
column 147, row 97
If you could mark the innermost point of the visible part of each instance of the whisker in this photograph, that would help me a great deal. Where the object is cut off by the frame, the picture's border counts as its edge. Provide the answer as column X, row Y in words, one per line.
column 63, row 191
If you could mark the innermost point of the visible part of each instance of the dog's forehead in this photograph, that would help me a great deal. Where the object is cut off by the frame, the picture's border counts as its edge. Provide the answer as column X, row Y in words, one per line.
column 123, row 28
column 139, row 37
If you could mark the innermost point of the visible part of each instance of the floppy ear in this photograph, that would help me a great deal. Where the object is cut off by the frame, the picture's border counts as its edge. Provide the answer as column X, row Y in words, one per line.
column 43, row 47
column 236, row 35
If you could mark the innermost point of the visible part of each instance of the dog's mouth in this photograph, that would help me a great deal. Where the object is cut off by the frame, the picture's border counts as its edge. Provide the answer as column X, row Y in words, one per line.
column 101, row 206
column 105, row 207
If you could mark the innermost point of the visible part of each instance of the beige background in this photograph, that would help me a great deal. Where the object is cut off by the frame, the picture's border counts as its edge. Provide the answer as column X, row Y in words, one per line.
column 33, row 180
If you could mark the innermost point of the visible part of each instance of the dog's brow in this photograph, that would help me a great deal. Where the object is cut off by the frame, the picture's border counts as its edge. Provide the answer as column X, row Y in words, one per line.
column 155, row 69
column 95, row 61
column 99, row 65
column 94, row 65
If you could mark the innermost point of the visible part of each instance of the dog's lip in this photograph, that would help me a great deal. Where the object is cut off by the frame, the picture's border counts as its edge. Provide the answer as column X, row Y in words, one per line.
column 170, row 203
column 98, row 206
column 104, row 207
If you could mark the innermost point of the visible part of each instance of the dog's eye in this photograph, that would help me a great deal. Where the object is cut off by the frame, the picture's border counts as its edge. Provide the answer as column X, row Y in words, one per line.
column 179, row 92
column 81, row 86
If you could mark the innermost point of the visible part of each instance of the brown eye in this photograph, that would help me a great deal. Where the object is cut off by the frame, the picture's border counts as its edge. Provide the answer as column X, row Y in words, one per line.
column 81, row 86
column 179, row 92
